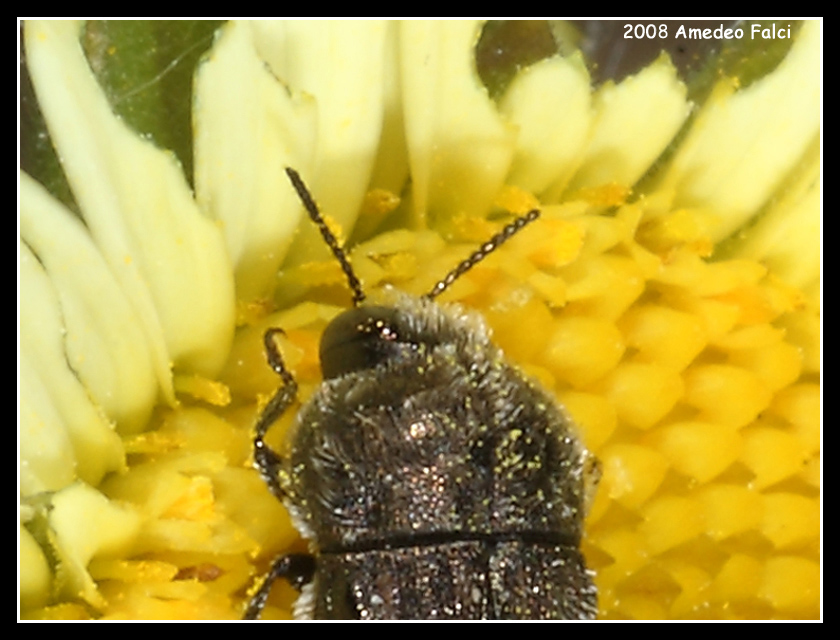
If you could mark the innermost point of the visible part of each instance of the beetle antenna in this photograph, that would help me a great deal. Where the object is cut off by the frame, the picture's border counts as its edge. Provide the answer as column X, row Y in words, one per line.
column 329, row 237
column 482, row 252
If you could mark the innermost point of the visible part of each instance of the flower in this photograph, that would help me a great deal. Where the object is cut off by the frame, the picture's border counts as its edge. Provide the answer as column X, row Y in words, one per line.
column 659, row 304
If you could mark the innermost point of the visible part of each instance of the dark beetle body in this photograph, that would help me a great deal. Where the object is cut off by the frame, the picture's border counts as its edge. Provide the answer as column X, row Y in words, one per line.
column 439, row 483
column 455, row 581
column 432, row 479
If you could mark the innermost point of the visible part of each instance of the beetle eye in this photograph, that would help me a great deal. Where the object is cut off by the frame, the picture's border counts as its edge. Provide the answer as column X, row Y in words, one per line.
column 360, row 339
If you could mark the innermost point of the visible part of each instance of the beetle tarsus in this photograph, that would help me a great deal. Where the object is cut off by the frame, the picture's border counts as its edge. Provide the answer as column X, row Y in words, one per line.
column 297, row 568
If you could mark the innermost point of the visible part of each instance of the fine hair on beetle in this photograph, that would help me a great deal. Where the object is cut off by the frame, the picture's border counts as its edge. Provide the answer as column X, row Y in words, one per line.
column 391, row 461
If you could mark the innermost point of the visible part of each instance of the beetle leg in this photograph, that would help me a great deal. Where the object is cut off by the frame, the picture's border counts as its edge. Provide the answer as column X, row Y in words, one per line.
column 265, row 460
column 297, row 568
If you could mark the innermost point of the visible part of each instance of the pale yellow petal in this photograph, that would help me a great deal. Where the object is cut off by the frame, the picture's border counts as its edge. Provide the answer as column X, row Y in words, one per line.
column 460, row 148
column 105, row 530
column 248, row 129
column 341, row 64
column 35, row 574
column 47, row 461
column 634, row 122
column 170, row 260
column 103, row 339
column 787, row 235
column 391, row 169
column 550, row 102
column 95, row 447
column 744, row 143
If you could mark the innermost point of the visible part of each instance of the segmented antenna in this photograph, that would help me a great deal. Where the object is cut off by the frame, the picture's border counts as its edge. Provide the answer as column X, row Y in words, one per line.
column 483, row 251
column 329, row 238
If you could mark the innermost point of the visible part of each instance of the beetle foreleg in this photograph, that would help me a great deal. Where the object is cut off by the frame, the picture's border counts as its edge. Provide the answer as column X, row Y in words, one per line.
column 297, row 568
column 267, row 461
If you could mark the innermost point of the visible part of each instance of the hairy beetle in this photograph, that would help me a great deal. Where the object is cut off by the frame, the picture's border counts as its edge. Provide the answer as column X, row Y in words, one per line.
column 433, row 480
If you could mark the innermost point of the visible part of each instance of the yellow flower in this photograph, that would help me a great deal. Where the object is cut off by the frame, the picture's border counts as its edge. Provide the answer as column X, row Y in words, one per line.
column 669, row 296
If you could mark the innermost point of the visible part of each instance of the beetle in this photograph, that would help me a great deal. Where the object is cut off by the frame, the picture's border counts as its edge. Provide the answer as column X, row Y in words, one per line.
column 432, row 478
